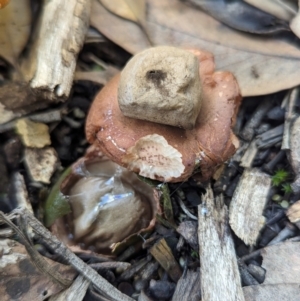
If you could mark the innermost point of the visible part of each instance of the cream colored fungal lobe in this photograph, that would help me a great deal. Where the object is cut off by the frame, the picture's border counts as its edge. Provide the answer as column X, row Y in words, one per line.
column 162, row 85
column 153, row 157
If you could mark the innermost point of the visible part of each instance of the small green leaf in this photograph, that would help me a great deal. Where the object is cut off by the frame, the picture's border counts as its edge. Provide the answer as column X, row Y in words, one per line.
column 167, row 203
column 279, row 177
column 56, row 204
column 287, row 188
column 195, row 254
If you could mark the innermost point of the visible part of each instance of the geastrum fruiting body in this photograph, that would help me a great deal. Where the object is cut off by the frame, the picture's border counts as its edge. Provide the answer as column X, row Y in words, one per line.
column 167, row 115
column 109, row 205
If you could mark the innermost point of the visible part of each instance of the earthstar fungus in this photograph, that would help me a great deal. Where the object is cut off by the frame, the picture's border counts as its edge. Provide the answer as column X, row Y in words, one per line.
column 185, row 115
column 109, row 205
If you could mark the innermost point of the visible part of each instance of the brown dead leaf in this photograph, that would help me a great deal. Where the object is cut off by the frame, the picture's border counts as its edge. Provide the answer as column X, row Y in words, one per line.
column 21, row 280
column 282, row 263
column 15, row 22
column 263, row 292
column 262, row 65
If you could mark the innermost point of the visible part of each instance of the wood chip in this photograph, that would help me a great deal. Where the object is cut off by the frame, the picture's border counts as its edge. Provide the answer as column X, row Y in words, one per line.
column 294, row 155
column 249, row 155
column 189, row 232
column 220, row 278
column 33, row 134
column 20, row 194
column 188, row 287
column 41, row 163
column 76, row 291
column 247, row 205
column 52, row 59
column 163, row 254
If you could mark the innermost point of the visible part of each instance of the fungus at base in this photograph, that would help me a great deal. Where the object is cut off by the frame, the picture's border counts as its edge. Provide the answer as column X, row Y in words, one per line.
column 109, row 205
column 152, row 157
column 210, row 143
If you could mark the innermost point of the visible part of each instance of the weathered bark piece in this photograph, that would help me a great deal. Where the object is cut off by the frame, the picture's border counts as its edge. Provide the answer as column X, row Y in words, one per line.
column 129, row 273
column 41, row 163
column 281, row 291
column 246, row 277
column 289, row 103
column 257, row 272
column 188, row 287
column 19, row 193
column 76, row 291
column 249, row 155
column 51, row 64
column 147, row 272
column 271, row 165
column 163, row 254
column 188, row 230
column 247, row 205
column 220, row 278
column 288, row 231
column 270, row 137
column 294, row 154
column 16, row 100
column 255, row 120
column 144, row 297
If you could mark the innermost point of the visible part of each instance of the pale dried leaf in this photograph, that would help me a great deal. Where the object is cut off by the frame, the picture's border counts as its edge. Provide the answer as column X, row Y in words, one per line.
column 282, row 263
column 253, row 60
column 263, row 292
column 133, row 10
column 15, row 22
column 123, row 32
column 241, row 16
column 284, row 10
column 295, row 25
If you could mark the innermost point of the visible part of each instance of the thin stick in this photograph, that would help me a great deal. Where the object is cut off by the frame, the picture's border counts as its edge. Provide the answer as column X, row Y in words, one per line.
column 59, row 248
